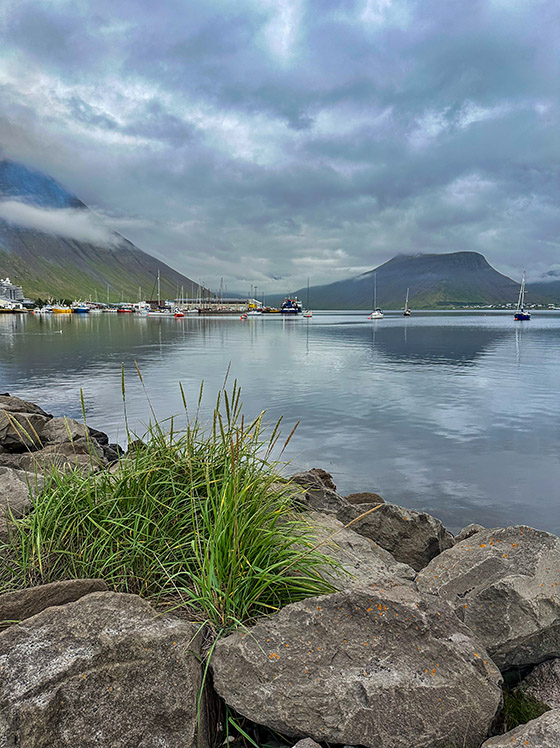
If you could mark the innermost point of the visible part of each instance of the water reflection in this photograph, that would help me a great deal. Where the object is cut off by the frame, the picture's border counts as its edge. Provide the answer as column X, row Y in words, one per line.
column 456, row 414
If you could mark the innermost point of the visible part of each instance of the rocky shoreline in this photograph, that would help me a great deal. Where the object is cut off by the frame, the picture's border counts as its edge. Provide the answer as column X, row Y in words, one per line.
column 412, row 651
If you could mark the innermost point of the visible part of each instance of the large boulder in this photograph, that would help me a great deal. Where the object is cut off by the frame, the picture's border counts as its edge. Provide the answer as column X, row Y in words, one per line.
column 319, row 492
column 17, row 405
column 63, row 430
column 543, row 732
column 362, row 561
column 543, row 683
column 21, row 604
column 370, row 667
column 503, row 584
column 104, row 670
column 82, row 453
column 17, row 488
column 21, row 431
column 413, row 538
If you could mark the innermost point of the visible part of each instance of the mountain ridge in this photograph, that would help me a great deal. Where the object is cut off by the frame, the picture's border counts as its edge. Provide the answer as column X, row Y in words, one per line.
column 435, row 280
column 47, row 263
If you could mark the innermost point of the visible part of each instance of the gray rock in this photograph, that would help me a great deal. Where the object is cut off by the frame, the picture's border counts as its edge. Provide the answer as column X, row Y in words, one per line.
column 413, row 538
column 64, row 455
column 320, row 491
column 16, row 405
column 468, row 532
column 365, row 497
column 543, row 683
column 376, row 668
column 21, row 431
column 503, row 583
column 21, row 604
column 307, row 743
column 102, row 671
column 543, row 732
column 16, row 491
column 63, row 430
column 366, row 561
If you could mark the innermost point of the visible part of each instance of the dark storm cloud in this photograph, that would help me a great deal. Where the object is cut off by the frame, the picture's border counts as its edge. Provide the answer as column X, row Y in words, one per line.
column 275, row 140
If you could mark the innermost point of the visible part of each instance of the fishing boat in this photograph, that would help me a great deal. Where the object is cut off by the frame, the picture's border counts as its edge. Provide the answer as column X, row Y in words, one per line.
column 80, row 308
column 291, row 307
column 521, row 313
column 307, row 311
column 61, row 310
column 376, row 313
column 406, row 307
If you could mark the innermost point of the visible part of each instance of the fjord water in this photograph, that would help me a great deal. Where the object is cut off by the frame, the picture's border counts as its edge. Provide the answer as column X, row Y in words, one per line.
column 457, row 414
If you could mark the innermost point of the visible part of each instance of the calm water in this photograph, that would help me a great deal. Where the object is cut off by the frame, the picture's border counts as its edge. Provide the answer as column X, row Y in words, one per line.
column 453, row 413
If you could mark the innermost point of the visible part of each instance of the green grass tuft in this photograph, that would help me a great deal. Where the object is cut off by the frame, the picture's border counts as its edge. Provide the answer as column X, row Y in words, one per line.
column 199, row 519
column 520, row 708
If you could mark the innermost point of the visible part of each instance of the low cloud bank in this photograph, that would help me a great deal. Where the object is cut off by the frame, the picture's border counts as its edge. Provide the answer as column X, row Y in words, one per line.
column 71, row 223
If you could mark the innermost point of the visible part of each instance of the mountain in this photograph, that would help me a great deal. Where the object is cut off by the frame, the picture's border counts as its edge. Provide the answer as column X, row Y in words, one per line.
column 37, row 250
column 454, row 279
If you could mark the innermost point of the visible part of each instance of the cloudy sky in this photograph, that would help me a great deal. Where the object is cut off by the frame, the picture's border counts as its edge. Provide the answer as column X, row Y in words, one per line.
column 266, row 141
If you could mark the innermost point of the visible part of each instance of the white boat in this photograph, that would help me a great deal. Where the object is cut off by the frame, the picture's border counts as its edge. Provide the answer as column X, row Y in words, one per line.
column 406, row 307
column 254, row 313
column 376, row 313
column 521, row 313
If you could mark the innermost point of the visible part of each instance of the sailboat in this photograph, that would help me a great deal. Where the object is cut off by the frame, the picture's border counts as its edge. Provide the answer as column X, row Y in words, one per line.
column 307, row 311
column 376, row 313
column 406, row 307
column 520, row 312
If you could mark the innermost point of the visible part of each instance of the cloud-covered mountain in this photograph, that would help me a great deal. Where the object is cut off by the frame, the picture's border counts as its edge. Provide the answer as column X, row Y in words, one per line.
column 435, row 280
column 53, row 245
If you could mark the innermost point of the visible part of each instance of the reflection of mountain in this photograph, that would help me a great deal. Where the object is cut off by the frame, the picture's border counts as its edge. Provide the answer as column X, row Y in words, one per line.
column 437, row 345
column 48, row 264
column 420, row 344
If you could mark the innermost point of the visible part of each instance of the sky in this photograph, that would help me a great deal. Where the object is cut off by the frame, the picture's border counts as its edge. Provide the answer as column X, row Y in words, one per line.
column 268, row 141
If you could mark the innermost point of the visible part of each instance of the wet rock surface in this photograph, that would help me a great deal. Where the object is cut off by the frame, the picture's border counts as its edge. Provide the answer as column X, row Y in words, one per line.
column 413, row 538
column 375, row 668
column 505, row 585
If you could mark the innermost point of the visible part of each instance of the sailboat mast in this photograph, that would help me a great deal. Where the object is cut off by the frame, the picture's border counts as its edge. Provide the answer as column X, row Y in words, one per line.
column 521, row 299
column 406, row 302
column 158, row 289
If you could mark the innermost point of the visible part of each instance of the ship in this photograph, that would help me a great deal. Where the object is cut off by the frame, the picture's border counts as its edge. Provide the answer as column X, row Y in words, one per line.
column 291, row 306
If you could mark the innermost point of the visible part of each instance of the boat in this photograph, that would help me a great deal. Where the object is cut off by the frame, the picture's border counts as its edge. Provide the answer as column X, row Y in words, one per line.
column 406, row 307
column 160, row 313
column 178, row 313
column 291, row 306
column 521, row 313
column 254, row 313
column 80, row 308
column 61, row 310
column 307, row 311
column 44, row 310
column 376, row 313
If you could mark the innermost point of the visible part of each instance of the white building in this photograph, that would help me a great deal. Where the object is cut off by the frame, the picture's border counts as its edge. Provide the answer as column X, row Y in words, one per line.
column 9, row 291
